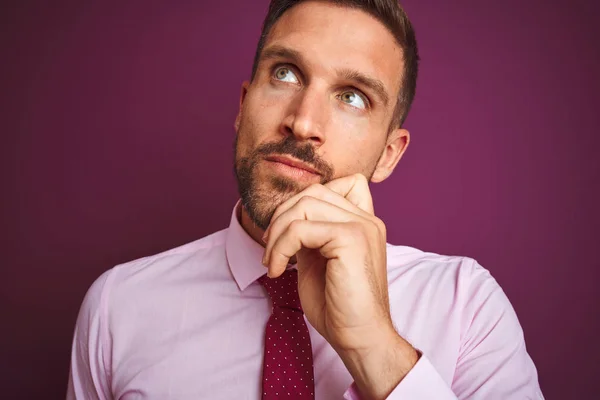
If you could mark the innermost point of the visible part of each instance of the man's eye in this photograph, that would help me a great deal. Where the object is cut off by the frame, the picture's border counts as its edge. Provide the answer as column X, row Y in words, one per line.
column 353, row 99
column 285, row 74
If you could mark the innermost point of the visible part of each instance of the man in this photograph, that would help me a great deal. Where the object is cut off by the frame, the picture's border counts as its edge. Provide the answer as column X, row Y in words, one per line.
column 301, row 297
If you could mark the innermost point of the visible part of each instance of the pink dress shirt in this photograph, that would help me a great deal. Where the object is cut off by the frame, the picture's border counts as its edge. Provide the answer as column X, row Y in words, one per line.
column 189, row 323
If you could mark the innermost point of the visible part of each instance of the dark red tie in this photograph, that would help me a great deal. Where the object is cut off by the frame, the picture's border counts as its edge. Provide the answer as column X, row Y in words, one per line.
column 288, row 363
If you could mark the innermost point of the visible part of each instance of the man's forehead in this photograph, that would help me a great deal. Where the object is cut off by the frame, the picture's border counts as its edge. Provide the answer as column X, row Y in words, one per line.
column 338, row 37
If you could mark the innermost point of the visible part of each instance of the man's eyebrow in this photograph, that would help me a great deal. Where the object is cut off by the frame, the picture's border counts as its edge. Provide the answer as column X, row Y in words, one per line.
column 281, row 52
column 372, row 83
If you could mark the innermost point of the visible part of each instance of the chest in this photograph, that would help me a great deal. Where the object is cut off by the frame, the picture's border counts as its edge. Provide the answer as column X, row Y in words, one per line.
column 193, row 350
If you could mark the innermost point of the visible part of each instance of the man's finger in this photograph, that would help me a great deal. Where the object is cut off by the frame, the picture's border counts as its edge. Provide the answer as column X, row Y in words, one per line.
column 325, row 236
column 331, row 195
column 355, row 189
column 312, row 209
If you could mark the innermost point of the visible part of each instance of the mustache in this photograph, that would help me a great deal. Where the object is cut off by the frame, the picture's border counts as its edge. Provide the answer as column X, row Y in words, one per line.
column 302, row 151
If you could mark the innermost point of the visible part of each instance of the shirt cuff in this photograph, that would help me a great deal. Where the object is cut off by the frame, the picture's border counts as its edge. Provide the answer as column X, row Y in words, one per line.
column 421, row 382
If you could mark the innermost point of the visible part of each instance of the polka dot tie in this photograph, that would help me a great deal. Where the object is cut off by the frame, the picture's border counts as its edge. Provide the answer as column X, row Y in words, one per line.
column 288, row 363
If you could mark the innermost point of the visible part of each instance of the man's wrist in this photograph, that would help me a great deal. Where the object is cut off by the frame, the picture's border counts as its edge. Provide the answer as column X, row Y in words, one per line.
column 378, row 370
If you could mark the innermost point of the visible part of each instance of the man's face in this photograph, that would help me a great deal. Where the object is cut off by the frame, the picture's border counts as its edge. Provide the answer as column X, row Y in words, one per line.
column 322, row 98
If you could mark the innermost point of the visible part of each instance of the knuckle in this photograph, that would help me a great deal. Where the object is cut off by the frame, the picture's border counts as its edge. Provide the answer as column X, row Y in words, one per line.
column 377, row 227
column 296, row 225
column 360, row 178
column 379, row 224
column 306, row 200
column 314, row 188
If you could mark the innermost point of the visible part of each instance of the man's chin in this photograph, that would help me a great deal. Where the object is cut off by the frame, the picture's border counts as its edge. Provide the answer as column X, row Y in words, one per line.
column 286, row 186
column 263, row 202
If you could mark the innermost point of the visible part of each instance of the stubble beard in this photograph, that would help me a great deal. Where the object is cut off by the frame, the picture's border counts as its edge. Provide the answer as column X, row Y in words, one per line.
column 260, row 198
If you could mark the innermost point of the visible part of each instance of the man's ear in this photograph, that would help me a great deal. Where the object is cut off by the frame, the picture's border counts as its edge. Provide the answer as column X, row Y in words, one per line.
column 396, row 144
column 243, row 93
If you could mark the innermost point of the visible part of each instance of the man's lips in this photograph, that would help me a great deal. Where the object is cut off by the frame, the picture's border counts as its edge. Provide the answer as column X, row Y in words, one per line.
column 292, row 162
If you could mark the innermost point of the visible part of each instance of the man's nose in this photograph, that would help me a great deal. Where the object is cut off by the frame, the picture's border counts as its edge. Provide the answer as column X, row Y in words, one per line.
column 308, row 116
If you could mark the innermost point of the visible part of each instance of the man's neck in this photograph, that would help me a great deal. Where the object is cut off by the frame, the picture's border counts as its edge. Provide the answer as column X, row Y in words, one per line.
column 249, row 226
column 252, row 230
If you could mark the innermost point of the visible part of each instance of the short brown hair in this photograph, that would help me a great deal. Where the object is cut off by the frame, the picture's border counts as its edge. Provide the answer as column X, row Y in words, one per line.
column 390, row 14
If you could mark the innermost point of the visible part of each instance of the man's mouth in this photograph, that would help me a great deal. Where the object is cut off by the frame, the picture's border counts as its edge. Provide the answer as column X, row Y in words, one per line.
column 292, row 162
column 293, row 167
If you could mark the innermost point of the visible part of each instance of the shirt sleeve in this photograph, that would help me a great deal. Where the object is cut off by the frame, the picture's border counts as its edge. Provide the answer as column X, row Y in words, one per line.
column 89, row 372
column 493, row 362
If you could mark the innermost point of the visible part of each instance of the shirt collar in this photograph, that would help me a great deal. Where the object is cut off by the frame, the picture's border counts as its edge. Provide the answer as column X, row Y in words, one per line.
column 244, row 255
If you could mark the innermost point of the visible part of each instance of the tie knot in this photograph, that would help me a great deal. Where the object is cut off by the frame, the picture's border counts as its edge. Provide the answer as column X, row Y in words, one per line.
column 283, row 290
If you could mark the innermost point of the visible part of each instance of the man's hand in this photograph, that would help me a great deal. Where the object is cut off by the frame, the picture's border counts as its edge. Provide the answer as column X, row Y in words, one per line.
column 340, row 247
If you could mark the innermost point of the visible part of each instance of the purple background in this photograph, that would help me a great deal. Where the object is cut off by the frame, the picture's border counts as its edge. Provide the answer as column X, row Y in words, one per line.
column 117, row 143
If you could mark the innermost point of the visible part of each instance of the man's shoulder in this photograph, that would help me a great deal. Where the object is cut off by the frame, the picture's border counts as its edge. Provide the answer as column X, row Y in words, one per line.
column 128, row 293
column 449, row 284
column 416, row 264
column 196, row 249
column 181, row 261
column 407, row 256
